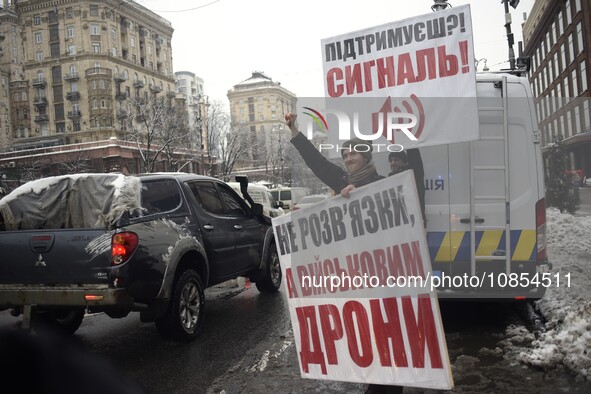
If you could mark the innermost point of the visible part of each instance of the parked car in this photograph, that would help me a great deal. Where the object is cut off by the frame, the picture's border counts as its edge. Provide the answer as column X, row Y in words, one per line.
column 261, row 195
column 310, row 200
column 289, row 195
column 115, row 244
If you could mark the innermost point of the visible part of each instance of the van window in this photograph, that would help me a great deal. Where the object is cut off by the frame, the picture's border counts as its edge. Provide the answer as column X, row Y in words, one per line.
column 285, row 195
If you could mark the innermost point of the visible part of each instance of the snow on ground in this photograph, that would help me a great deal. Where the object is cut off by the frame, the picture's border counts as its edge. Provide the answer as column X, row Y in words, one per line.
column 566, row 341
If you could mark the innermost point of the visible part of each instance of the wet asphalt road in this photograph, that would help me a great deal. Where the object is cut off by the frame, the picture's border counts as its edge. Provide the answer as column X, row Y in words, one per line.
column 247, row 347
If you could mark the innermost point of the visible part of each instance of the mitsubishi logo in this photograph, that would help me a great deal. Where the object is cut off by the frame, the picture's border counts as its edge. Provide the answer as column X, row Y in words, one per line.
column 40, row 262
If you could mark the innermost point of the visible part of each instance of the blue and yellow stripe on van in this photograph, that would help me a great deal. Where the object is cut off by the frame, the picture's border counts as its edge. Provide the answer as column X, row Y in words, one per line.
column 450, row 246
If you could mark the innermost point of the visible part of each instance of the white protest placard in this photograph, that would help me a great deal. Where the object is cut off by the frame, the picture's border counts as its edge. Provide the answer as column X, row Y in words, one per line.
column 357, row 276
column 418, row 72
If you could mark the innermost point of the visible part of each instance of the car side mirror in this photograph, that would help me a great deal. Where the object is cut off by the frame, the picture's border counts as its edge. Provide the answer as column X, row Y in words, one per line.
column 278, row 204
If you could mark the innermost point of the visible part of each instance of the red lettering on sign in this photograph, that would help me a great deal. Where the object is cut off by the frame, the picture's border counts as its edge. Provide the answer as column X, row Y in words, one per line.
column 388, row 333
column 421, row 330
column 291, row 289
column 309, row 329
column 332, row 330
column 364, row 356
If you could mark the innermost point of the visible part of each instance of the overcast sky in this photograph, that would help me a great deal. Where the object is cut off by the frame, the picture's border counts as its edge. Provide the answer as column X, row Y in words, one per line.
column 223, row 41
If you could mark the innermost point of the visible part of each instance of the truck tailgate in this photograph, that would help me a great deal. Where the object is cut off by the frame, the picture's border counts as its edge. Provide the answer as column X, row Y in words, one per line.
column 55, row 257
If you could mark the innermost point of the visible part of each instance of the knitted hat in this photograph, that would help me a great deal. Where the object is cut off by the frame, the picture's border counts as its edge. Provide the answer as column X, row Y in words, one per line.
column 363, row 147
column 401, row 155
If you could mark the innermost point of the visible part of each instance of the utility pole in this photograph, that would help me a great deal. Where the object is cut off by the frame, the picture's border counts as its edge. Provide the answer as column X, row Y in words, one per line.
column 510, row 39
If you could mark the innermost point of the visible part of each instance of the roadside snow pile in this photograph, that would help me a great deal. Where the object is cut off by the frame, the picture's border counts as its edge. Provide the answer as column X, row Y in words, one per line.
column 567, row 340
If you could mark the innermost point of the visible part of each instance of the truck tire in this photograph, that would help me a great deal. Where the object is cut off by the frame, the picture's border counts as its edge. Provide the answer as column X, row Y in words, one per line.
column 183, row 319
column 271, row 279
column 60, row 321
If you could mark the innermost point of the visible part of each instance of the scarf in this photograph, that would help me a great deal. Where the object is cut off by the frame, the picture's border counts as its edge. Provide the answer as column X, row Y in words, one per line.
column 365, row 172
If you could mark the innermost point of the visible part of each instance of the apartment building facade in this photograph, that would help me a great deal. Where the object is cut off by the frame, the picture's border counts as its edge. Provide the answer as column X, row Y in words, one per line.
column 257, row 107
column 557, row 34
column 72, row 71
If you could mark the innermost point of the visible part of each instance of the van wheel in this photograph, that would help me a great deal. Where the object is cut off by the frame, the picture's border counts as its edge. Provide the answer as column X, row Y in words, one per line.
column 183, row 319
column 271, row 280
column 60, row 321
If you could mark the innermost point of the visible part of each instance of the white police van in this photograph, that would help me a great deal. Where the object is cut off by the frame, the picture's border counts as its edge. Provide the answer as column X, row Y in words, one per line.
column 485, row 208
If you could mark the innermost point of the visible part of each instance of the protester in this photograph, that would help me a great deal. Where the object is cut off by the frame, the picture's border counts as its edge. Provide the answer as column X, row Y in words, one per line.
column 410, row 160
column 357, row 158
column 360, row 171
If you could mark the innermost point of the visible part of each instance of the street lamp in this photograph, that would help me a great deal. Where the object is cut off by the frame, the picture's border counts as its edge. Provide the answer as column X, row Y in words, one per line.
column 485, row 66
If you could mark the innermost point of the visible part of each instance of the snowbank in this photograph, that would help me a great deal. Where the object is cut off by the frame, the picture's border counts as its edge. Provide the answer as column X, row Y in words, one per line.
column 567, row 339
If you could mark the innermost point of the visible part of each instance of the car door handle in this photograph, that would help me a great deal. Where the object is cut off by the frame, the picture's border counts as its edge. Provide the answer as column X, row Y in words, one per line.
column 476, row 220
column 208, row 227
column 237, row 227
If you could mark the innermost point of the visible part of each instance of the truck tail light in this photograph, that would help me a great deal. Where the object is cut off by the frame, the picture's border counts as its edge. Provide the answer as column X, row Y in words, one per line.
column 541, row 229
column 122, row 247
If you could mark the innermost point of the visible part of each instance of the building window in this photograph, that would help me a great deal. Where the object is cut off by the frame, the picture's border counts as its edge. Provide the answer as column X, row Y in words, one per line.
column 132, row 42
column 39, row 56
column 114, row 34
column 95, row 30
column 37, row 20
column 38, row 37
column 55, row 50
column 577, row 6
column 96, row 47
column 571, row 49
column 578, row 120
column 69, row 12
column 579, row 37
column 583, row 76
column 70, row 31
column 575, row 84
column 569, row 18
column 587, row 115
column 72, row 50
column 94, row 10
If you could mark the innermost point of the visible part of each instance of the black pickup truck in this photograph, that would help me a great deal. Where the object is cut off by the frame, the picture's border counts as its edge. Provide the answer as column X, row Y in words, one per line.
column 115, row 244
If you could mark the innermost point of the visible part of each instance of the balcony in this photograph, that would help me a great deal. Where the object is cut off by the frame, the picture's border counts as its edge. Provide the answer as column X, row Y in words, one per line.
column 170, row 94
column 71, row 77
column 122, row 114
column 42, row 118
column 99, row 71
column 120, row 96
column 73, row 96
column 118, row 77
column 40, row 101
column 38, row 82
column 73, row 114
column 155, row 88
column 138, row 84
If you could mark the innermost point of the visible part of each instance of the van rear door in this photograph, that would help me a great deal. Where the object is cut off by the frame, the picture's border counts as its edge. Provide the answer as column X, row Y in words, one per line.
column 470, row 179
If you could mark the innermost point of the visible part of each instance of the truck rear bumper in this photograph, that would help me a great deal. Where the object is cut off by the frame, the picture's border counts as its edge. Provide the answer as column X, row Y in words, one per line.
column 14, row 295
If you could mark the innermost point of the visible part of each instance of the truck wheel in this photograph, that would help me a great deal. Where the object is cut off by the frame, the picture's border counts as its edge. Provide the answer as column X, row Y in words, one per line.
column 65, row 321
column 185, row 312
column 271, row 280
